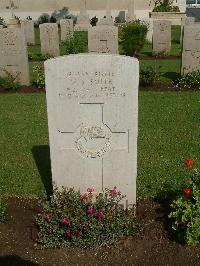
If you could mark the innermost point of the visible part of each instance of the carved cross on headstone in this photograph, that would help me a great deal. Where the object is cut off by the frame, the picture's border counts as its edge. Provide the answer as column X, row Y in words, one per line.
column 12, row 7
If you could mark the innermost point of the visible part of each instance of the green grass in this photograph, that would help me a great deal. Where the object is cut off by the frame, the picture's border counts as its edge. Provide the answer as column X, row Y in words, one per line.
column 169, row 132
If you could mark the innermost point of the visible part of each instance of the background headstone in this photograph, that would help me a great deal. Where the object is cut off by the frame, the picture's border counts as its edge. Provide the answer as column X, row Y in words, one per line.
column 186, row 21
column 161, row 37
column 67, row 28
column 149, row 21
column 92, row 103
column 49, row 39
column 191, row 48
column 83, row 20
column 107, row 20
column 131, row 11
column 103, row 39
column 13, row 55
column 28, row 27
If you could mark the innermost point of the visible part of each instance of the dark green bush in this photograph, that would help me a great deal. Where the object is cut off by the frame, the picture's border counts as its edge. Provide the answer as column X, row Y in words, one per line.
column 133, row 36
column 9, row 81
column 76, row 44
column 88, row 220
column 149, row 75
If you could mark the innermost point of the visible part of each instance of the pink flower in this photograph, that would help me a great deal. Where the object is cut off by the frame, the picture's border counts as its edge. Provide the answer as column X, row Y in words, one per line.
column 68, row 233
column 99, row 214
column 79, row 234
column 64, row 221
column 90, row 211
column 113, row 192
column 85, row 196
column 47, row 216
column 90, row 190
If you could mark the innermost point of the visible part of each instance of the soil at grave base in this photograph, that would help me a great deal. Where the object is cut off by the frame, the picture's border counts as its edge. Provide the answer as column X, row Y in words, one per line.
column 158, row 86
column 150, row 246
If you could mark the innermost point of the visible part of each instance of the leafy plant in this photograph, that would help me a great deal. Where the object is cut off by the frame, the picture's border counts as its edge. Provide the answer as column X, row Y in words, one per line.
column 9, row 81
column 185, row 212
column 133, row 36
column 149, row 75
column 72, row 219
column 2, row 22
column 165, row 6
column 190, row 80
column 38, row 56
column 76, row 44
column 2, row 210
column 94, row 21
column 39, row 76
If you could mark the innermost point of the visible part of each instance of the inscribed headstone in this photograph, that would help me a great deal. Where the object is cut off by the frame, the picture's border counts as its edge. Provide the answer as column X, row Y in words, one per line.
column 161, row 36
column 28, row 27
column 103, row 39
column 191, row 48
column 49, row 39
column 13, row 55
column 92, row 103
column 67, row 28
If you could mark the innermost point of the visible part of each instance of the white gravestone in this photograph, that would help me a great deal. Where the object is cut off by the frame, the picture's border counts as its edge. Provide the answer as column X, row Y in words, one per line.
column 107, row 20
column 131, row 11
column 92, row 104
column 28, row 27
column 161, row 37
column 67, row 29
column 149, row 22
column 191, row 48
column 49, row 39
column 103, row 39
column 186, row 22
column 83, row 20
column 13, row 55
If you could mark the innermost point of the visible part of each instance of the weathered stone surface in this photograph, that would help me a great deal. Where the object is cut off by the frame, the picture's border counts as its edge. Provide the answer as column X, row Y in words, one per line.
column 191, row 48
column 107, row 20
column 83, row 20
column 131, row 11
column 186, row 21
column 161, row 37
column 28, row 27
column 92, row 103
column 103, row 39
column 13, row 55
column 67, row 28
column 13, row 24
column 49, row 39
column 1, row 27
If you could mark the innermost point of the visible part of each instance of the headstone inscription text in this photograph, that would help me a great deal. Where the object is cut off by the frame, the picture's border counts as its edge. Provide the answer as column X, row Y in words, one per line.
column 161, row 36
column 92, row 103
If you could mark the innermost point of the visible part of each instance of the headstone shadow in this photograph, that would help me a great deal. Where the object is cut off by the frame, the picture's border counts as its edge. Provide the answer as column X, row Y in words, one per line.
column 41, row 155
column 15, row 260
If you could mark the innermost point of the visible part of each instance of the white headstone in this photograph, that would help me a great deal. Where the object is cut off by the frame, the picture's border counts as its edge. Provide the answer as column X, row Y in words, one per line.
column 14, row 57
column 103, row 39
column 185, row 22
column 67, row 29
column 149, row 22
column 92, row 104
column 191, row 48
column 49, row 39
column 107, row 20
column 83, row 20
column 131, row 11
column 28, row 27
column 161, row 37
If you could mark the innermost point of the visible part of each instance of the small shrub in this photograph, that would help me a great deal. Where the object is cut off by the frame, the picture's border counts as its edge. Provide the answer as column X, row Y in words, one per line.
column 38, row 56
column 149, row 75
column 72, row 219
column 185, row 212
column 189, row 81
column 133, row 36
column 39, row 76
column 9, row 81
column 165, row 6
column 94, row 21
column 76, row 44
column 2, row 211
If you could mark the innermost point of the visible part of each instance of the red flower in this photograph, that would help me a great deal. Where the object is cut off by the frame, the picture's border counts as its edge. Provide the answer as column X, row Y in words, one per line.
column 48, row 216
column 64, row 221
column 113, row 192
column 90, row 190
column 189, row 163
column 84, row 196
column 68, row 233
column 187, row 192
column 90, row 211
column 99, row 214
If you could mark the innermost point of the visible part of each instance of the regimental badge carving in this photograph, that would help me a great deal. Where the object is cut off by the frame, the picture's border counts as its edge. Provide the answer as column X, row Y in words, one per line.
column 93, row 141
